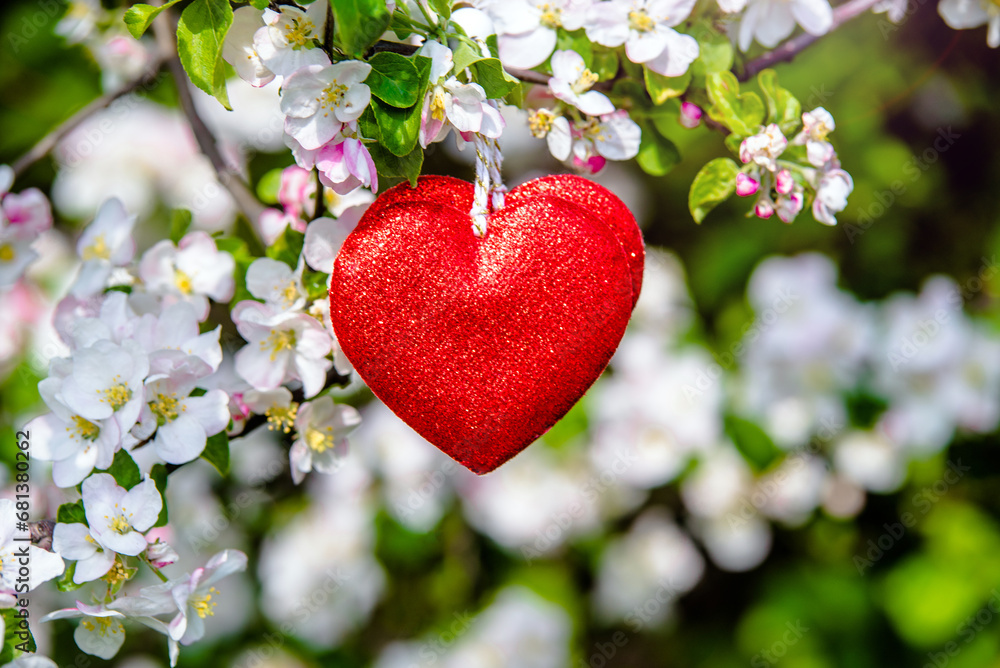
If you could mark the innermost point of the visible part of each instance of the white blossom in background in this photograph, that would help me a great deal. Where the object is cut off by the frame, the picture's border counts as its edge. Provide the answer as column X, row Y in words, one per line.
column 964, row 14
column 771, row 21
column 450, row 103
column 290, row 38
column 870, row 460
column 321, row 429
column 324, row 237
column 571, row 82
column 646, row 28
column 277, row 284
column 239, row 49
column 792, row 491
column 44, row 564
column 527, row 29
column 105, row 243
column 193, row 271
column 806, row 346
column 23, row 217
column 281, row 346
column 318, row 99
column 894, row 9
column 655, row 560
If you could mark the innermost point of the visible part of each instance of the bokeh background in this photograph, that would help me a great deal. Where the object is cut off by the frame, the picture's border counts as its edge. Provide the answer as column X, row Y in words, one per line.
column 791, row 460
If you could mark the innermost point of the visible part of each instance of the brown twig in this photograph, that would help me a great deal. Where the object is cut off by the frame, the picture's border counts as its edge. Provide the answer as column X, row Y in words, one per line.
column 49, row 141
column 245, row 200
column 792, row 47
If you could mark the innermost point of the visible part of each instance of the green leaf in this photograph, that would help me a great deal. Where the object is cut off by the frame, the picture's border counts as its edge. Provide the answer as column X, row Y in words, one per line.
column 783, row 108
column 124, row 470
column 200, row 33
column 65, row 581
column 260, row 4
column 180, row 222
column 314, row 283
column 715, row 55
column 605, row 64
column 713, row 184
column 389, row 165
column 216, row 452
column 464, row 56
column 742, row 114
column 288, row 247
column 159, row 475
column 12, row 638
column 70, row 513
column 753, row 442
column 394, row 79
column 442, row 8
column 663, row 88
column 398, row 128
column 269, row 185
column 657, row 154
column 139, row 17
column 359, row 24
column 490, row 74
column 576, row 41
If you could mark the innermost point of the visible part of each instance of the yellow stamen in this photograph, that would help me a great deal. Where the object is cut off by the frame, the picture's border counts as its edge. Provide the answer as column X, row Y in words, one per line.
column 84, row 429
column 437, row 104
column 7, row 253
column 117, row 395
column 299, row 32
column 183, row 282
column 551, row 16
column 278, row 340
column 98, row 250
column 204, row 606
column 583, row 84
column 640, row 21
column 116, row 574
column 290, row 293
column 540, row 122
column 166, row 407
column 282, row 419
column 319, row 441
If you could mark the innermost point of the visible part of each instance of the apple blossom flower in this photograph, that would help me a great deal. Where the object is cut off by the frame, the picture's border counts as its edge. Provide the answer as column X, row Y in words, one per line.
column 160, row 554
column 690, row 116
column 191, row 597
column 771, row 21
column 239, row 49
column 122, row 58
column 272, row 223
column 451, row 103
column 276, row 405
column 344, row 164
column 746, row 185
column 646, row 28
column 106, row 243
column 324, row 237
column 613, row 136
column 281, row 346
column 297, row 192
column 555, row 129
column 318, row 99
column 527, row 29
column 831, row 195
column 788, row 206
column 290, row 39
column 45, row 565
column 23, row 215
column 321, row 428
column 192, row 271
column 175, row 330
column 963, row 14
column 105, row 381
column 101, row 632
column 895, row 9
column 277, row 284
column 764, row 148
column 117, row 517
column 783, row 182
column 571, row 82
column 76, row 542
column 183, row 422
column 816, row 126
column 15, row 256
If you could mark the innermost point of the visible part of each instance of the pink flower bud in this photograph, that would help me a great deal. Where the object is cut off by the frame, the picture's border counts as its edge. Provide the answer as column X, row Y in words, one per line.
column 745, row 185
column 789, row 207
column 160, row 554
column 593, row 164
column 690, row 115
column 764, row 209
column 783, row 182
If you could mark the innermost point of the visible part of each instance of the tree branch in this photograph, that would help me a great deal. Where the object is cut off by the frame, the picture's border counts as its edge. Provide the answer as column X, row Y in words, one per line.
column 792, row 47
column 245, row 200
column 49, row 141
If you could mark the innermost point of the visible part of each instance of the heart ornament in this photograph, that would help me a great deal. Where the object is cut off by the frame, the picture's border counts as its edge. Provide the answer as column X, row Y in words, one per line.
column 482, row 344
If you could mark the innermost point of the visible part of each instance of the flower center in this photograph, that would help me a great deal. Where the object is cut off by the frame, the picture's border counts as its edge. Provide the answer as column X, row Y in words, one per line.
column 281, row 419
column 551, row 16
column 166, row 408
column 290, row 293
column 277, row 341
column 6, row 253
column 204, row 606
column 299, row 32
column 332, row 95
column 437, row 104
column 119, row 523
column 117, row 574
column 183, row 282
column 640, row 21
column 821, row 130
column 540, row 122
column 84, row 429
column 103, row 625
column 583, row 84
column 117, row 395
column 98, row 250
column 319, row 440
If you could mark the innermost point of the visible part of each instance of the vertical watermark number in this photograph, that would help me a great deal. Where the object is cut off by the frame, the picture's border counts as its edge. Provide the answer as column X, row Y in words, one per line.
column 22, row 538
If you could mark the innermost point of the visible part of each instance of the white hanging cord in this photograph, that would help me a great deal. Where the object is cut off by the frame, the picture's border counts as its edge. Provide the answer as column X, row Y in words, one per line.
column 480, row 201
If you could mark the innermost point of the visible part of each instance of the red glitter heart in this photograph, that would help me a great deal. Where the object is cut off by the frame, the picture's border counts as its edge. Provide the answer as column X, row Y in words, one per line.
column 480, row 345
